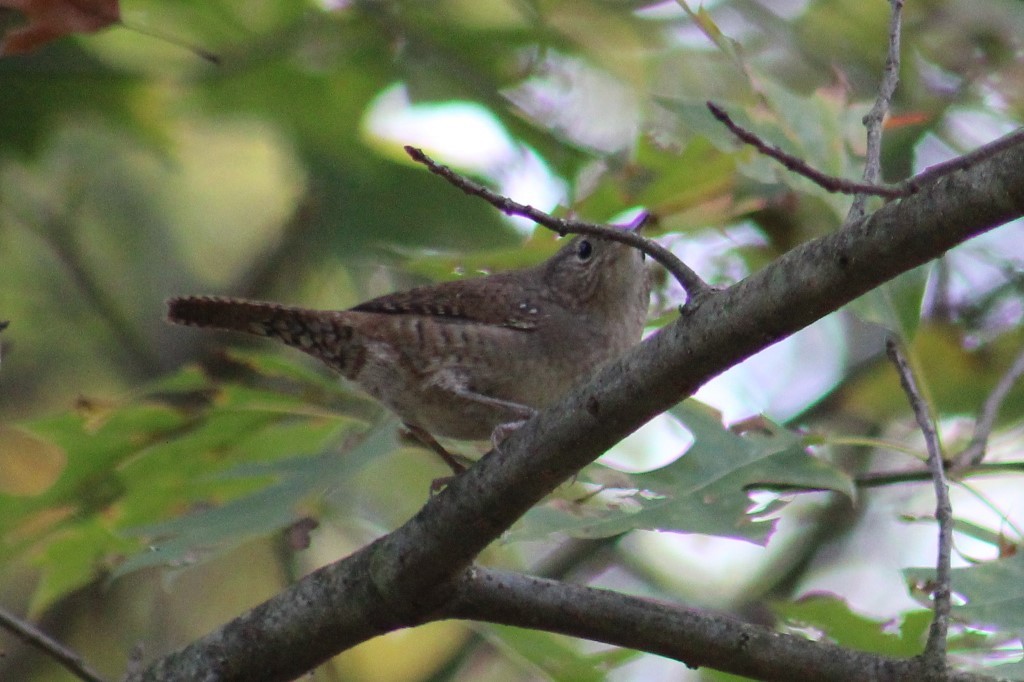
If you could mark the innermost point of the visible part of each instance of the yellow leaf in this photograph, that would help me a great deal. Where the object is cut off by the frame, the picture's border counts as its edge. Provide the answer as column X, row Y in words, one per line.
column 29, row 465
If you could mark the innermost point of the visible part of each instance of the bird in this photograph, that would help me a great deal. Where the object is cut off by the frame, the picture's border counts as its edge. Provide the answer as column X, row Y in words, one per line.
column 468, row 359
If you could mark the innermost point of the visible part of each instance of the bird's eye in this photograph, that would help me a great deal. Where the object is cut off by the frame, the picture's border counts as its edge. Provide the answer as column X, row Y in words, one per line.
column 584, row 250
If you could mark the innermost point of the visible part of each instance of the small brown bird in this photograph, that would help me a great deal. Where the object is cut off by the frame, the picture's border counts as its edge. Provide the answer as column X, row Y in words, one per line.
column 460, row 359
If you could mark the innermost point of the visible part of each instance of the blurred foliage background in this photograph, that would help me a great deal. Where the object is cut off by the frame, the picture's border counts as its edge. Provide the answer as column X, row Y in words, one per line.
column 153, row 485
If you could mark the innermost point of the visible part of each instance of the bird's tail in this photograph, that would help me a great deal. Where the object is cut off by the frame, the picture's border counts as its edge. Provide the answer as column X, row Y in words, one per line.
column 321, row 334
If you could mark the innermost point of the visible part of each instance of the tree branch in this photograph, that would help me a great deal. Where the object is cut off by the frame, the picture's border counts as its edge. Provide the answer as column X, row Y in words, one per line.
column 691, row 282
column 974, row 453
column 3, row 325
column 35, row 637
column 827, row 182
column 878, row 479
column 407, row 577
column 874, row 118
column 710, row 640
column 872, row 121
column 934, row 656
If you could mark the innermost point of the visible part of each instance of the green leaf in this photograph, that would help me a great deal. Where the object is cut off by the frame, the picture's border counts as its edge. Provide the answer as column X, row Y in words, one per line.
column 78, row 555
column 700, row 174
column 708, row 27
column 1009, row 671
column 989, row 599
column 992, row 592
column 44, row 88
column 558, row 657
column 814, row 124
column 297, row 491
column 440, row 267
column 895, row 305
column 832, row 616
column 230, row 449
column 96, row 440
column 955, row 380
column 704, row 491
column 978, row 532
column 827, row 615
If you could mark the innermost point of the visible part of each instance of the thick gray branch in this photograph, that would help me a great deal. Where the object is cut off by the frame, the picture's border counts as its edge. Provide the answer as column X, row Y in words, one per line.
column 409, row 576
column 697, row 637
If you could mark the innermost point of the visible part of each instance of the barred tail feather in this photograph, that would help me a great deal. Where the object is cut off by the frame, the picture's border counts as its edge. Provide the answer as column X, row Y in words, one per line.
column 228, row 314
column 318, row 333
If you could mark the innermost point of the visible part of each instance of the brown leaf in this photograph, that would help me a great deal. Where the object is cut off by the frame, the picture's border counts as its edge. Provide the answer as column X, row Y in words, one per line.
column 52, row 19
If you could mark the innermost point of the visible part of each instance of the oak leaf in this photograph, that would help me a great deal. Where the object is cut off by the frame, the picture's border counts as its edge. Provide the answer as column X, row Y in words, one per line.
column 52, row 19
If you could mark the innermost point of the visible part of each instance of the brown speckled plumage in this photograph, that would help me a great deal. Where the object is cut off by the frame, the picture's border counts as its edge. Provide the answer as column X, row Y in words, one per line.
column 460, row 358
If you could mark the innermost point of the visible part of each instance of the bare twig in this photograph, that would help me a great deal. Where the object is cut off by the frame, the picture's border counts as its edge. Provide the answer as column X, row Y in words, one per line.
column 935, row 649
column 427, row 440
column 3, row 326
column 879, row 479
column 197, row 50
column 975, row 450
column 839, row 185
column 830, row 183
column 35, row 637
column 690, row 280
column 872, row 121
column 963, row 162
column 874, row 118
column 58, row 234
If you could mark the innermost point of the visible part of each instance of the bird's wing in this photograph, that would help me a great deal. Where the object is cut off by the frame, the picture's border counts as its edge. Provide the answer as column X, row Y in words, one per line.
column 496, row 300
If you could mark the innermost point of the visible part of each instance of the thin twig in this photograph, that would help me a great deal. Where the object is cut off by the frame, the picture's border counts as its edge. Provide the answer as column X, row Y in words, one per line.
column 153, row 32
column 691, row 282
column 975, row 450
column 33, row 636
column 935, row 649
column 3, row 326
column 962, row 162
column 424, row 438
column 879, row 479
column 827, row 182
column 58, row 235
column 874, row 118
column 872, row 121
column 839, row 185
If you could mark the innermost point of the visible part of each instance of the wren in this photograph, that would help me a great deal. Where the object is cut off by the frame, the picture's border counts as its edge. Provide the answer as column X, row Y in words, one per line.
column 461, row 359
